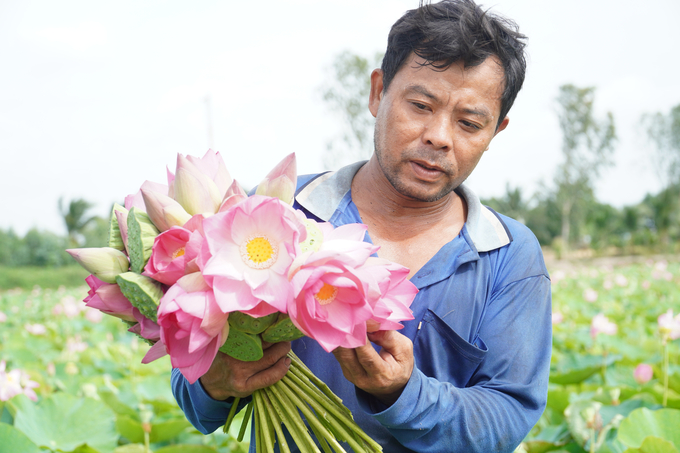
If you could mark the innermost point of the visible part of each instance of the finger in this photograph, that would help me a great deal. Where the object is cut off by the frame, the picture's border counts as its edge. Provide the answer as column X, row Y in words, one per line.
column 351, row 368
column 269, row 376
column 393, row 344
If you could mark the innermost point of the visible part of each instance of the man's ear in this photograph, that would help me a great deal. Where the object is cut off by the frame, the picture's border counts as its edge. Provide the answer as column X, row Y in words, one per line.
column 376, row 94
column 502, row 126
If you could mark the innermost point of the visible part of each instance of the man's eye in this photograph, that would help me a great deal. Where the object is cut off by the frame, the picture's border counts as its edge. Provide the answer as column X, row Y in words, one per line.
column 419, row 106
column 469, row 124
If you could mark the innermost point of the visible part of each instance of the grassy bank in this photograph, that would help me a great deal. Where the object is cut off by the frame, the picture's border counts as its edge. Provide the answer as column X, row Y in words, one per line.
column 45, row 277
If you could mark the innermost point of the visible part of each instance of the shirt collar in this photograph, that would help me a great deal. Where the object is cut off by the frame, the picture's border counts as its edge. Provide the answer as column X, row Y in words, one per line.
column 322, row 195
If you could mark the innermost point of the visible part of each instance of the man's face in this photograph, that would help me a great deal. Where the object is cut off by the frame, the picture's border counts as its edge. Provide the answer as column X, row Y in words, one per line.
column 433, row 126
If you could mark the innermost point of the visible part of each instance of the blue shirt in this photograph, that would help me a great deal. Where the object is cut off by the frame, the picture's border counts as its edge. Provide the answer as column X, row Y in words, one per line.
column 482, row 338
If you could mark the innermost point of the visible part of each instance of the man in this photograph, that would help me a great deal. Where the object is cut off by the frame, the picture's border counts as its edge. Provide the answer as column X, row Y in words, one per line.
column 470, row 372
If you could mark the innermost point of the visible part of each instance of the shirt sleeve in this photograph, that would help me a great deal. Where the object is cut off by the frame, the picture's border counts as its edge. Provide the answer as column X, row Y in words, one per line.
column 503, row 398
column 203, row 412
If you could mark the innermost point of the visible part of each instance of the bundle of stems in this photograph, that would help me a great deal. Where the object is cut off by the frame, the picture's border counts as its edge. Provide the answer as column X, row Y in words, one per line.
column 301, row 393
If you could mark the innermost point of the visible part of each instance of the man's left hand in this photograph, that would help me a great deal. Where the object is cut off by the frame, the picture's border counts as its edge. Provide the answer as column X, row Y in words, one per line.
column 384, row 374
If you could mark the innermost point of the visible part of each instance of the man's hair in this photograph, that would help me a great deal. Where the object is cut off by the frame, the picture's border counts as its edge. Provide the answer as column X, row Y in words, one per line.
column 457, row 30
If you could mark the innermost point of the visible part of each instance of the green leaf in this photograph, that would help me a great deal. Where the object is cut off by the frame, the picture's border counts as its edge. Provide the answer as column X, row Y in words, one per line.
column 65, row 422
column 130, row 428
column 643, row 422
column 117, row 405
column 131, row 448
column 575, row 368
column 186, row 449
column 164, row 431
column 13, row 440
column 540, row 446
column 653, row 444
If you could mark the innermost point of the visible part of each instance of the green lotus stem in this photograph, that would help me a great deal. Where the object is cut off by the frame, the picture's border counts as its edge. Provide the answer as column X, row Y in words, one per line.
column 312, row 377
column 665, row 372
column 273, row 415
column 319, row 406
column 290, row 417
column 312, row 420
column 267, row 429
column 325, row 410
column 246, row 420
column 306, row 383
column 232, row 414
column 324, row 444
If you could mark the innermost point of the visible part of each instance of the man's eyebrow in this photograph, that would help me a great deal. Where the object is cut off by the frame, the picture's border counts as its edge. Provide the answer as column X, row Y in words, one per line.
column 481, row 112
column 422, row 90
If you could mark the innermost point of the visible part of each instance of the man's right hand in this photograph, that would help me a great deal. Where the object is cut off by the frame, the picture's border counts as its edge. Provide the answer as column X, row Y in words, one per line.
column 228, row 377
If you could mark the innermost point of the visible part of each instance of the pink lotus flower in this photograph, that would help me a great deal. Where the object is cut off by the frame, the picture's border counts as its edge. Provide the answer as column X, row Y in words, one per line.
column 396, row 293
column 643, row 373
column 200, row 186
column 590, row 295
column 281, row 181
column 145, row 327
column 602, row 324
column 173, row 251
column 108, row 298
column 35, row 329
column 14, row 383
column 3, row 317
column 621, row 280
column 669, row 326
column 557, row 318
column 104, row 262
column 192, row 326
column 332, row 300
column 94, row 316
column 163, row 211
column 251, row 247
column 10, row 383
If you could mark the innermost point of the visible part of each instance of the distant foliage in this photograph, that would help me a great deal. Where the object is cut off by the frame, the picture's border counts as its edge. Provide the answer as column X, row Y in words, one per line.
column 347, row 96
column 36, row 248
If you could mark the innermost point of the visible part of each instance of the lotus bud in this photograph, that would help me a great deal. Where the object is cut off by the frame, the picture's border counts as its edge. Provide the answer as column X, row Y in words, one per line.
column 643, row 373
column 115, row 236
column 163, row 211
column 195, row 191
column 281, row 181
column 235, row 194
column 121, row 218
column 212, row 165
column 105, row 263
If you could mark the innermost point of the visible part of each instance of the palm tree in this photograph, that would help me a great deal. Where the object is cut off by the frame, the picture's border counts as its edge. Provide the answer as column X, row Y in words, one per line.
column 75, row 218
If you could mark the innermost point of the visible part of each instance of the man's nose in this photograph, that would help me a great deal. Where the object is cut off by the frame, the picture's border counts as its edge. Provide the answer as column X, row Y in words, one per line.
column 439, row 133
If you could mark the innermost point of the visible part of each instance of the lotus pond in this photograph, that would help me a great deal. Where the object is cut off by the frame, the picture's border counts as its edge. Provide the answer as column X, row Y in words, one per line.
column 83, row 388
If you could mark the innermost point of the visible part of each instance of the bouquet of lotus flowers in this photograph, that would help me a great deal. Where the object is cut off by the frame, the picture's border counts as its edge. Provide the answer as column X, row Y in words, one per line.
column 197, row 266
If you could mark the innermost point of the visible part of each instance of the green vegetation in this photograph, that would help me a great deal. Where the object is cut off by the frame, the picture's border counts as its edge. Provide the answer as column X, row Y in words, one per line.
column 90, row 368
column 94, row 394
column 28, row 277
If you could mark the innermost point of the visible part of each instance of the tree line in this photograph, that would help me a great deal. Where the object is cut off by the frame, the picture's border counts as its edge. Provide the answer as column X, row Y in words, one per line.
column 45, row 248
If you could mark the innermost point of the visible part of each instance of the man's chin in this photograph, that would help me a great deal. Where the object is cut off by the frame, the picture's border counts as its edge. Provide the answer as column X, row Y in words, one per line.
column 425, row 195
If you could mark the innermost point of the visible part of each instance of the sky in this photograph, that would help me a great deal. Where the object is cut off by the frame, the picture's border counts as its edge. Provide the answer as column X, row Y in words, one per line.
column 97, row 97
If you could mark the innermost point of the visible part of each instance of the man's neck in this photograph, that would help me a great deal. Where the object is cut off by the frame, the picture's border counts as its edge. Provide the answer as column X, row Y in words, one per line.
column 379, row 201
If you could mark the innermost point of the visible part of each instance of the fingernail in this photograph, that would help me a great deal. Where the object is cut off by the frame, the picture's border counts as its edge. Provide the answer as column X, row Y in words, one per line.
column 286, row 361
